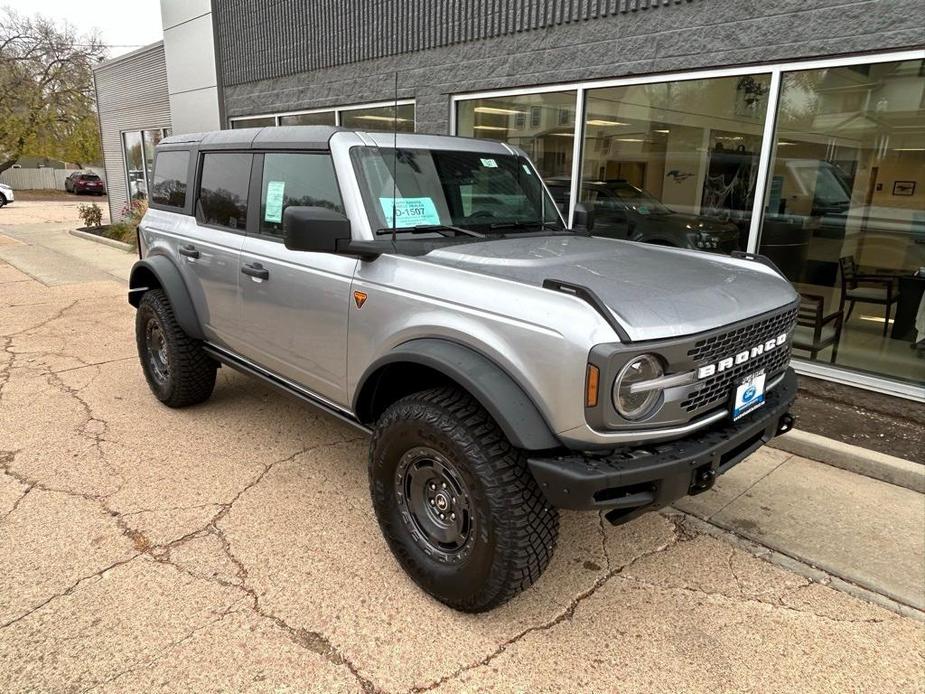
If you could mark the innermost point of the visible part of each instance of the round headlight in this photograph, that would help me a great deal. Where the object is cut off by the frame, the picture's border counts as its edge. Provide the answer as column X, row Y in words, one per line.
column 636, row 405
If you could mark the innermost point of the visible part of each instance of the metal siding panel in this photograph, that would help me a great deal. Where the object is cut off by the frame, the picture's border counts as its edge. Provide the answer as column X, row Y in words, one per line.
column 291, row 37
column 132, row 95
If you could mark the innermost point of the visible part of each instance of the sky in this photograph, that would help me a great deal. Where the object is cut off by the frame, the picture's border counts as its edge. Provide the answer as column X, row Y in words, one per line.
column 123, row 25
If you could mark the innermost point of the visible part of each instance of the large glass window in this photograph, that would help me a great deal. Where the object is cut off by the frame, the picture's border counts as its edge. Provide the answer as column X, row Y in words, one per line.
column 261, row 122
column 674, row 163
column 387, row 118
column 223, row 189
column 134, row 165
column 845, row 213
column 543, row 125
column 319, row 118
column 296, row 179
column 169, row 180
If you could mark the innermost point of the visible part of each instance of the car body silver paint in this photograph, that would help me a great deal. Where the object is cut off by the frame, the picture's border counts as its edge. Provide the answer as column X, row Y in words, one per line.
column 487, row 296
column 653, row 291
column 307, row 295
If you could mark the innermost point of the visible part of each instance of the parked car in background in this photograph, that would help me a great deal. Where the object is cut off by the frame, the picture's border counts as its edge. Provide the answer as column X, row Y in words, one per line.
column 617, row 209
column 84, row 182
column 6, row 194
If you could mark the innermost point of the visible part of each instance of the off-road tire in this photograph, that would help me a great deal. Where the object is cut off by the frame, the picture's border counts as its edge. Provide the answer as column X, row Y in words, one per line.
column 190, row 372
column 515, row 528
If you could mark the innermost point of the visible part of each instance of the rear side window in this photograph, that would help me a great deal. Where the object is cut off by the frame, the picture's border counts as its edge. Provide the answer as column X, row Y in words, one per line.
column 170, row 171
column 223, row 189
column 295, row 179
column 90, row 177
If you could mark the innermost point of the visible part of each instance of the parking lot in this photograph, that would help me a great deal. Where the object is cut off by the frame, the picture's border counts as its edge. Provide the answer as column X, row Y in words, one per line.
column 232, row 545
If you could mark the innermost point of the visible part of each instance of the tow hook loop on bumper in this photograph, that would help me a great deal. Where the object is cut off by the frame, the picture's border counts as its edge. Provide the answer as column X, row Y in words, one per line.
column 704, row 478
column 785, row 424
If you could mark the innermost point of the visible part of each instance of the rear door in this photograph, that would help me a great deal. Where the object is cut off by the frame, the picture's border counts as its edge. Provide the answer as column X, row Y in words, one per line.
column 210, row 253
column 295, row 304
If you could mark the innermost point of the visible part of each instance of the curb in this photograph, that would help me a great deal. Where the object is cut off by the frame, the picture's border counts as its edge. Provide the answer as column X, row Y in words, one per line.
column 879, row 466
column 127, row 247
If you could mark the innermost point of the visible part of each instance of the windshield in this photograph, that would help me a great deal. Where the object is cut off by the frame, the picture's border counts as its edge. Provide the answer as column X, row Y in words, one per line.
column 620, row 196
column 488, row 193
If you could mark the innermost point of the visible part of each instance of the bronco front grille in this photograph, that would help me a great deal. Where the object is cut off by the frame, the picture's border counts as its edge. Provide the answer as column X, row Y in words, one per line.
column 714, row 390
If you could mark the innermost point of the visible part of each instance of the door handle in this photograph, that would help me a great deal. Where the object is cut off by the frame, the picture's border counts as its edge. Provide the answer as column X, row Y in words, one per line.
column 189, row 251
column 256, row 270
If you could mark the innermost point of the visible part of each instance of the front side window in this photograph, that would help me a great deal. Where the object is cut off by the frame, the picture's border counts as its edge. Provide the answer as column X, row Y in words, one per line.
column 223, row 189
column 295, row 179
column 473, row 190
column 169, row 183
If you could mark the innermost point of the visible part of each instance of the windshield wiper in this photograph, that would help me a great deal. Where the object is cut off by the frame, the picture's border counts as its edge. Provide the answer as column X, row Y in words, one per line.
column 518, row 224
column 428, row 228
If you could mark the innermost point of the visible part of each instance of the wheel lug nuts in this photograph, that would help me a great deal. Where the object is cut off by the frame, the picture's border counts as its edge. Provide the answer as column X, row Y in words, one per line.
column 433, row 486
column 443, row 484
column 432, row 502
column 452, row 516
column 454, row 499
column 442, row 516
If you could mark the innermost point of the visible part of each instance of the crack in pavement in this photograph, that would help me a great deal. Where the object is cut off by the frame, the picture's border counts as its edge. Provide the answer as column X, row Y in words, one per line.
column 313, row 641
column 649, row 585
column 679, row 535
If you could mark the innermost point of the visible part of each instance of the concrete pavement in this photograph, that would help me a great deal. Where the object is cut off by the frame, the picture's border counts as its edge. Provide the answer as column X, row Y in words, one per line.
column 232, row 546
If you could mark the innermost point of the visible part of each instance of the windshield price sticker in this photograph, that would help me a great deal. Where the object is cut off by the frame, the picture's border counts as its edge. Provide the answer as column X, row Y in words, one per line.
column 410, row 212
column 527, row 169
column 489, row 163
column 274, row 211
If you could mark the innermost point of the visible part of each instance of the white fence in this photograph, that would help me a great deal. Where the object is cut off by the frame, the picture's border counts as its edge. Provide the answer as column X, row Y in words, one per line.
column 41, row 179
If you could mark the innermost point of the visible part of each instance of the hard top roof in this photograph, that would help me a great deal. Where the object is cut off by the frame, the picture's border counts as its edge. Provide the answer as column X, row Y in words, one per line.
column 319, row 137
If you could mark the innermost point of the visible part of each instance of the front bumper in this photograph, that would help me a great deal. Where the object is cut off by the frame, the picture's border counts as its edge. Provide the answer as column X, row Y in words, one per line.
column 633, row 481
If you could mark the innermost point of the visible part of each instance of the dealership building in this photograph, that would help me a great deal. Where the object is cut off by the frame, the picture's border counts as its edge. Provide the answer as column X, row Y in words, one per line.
column 792, row 129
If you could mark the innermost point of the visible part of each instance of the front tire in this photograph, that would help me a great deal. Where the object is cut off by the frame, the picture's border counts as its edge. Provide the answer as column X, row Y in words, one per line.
column 456, row 503
column 2, row 200
column 177, row 369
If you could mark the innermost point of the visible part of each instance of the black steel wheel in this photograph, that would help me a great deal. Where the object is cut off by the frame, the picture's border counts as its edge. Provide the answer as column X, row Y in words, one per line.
column 434, row 501
column 177, row 369
column 456, row 503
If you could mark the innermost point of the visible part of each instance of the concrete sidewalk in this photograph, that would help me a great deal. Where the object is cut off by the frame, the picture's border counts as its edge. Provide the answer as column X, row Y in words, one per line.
column 867, row 532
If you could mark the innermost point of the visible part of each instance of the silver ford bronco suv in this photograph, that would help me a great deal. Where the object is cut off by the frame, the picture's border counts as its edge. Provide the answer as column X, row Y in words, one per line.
column 426, row 289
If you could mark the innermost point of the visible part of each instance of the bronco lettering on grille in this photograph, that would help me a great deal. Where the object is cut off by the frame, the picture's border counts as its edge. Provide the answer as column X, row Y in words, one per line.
column 741, row 357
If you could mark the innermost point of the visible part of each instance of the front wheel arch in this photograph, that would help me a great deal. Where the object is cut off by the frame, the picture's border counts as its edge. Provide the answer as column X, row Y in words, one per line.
column 431, row 362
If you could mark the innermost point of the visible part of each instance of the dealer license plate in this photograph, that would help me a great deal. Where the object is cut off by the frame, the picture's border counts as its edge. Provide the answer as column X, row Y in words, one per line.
column 749, row 395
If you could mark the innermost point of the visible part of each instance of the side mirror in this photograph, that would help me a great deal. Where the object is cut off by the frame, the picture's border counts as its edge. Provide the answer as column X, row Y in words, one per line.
column 584, row 217
column 315, row 229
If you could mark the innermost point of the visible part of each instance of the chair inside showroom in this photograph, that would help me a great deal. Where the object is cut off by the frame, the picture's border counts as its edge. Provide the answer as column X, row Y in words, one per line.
column 814, row 330
column 866, row 289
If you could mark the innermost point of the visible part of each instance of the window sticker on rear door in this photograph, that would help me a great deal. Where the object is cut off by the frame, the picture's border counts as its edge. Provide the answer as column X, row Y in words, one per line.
column 409, row 212
column 274, row 209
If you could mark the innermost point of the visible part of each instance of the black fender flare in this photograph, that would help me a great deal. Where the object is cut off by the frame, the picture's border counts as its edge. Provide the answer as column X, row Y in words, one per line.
column 513, row 410
column 165, row 274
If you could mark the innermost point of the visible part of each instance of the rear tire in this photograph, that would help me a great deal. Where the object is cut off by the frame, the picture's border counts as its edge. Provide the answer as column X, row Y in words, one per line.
column 439, row 452
column 177, row 369
column 2, row 200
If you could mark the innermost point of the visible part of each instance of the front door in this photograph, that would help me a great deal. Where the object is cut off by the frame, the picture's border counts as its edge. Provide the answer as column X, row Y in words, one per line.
column 209, row 249
column 295, row 304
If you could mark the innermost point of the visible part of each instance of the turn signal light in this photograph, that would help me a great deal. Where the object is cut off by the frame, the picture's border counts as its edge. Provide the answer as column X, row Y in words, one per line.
column 591, row 385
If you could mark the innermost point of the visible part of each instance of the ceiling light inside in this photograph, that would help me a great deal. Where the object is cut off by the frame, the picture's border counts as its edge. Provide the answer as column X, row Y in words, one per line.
column 603, row 123
column 498, row 110
column 488, row 127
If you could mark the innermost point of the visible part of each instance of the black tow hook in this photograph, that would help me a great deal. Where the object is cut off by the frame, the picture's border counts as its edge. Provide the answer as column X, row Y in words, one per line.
column 785, row 424
column 704, row 478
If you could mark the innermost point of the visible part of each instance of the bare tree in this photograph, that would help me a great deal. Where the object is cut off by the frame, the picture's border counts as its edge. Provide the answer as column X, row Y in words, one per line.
column 47, row 104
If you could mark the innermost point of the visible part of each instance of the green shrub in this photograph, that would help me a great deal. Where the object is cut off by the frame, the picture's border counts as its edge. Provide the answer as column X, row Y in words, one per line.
column 90, row 214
